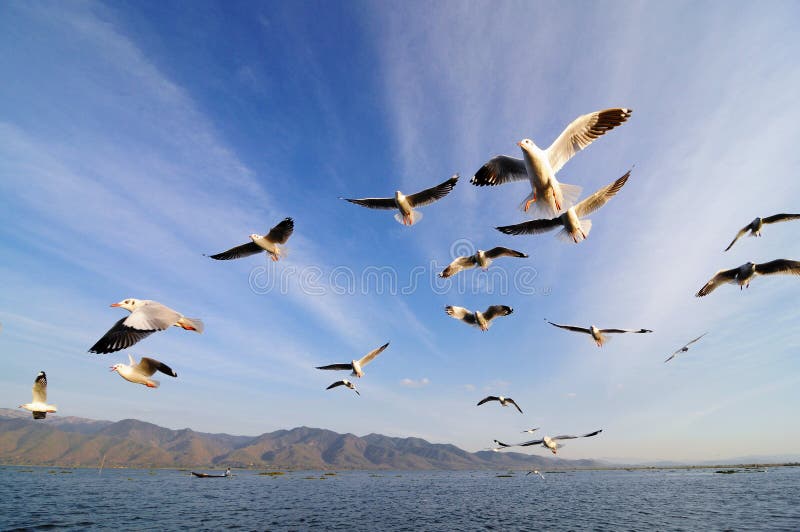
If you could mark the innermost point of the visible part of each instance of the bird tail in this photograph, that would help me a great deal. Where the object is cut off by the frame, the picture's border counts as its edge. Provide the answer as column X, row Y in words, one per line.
column 569, row 195
column 536, row 209
column 411, row 219
column 566, row 236
column 191, row 324
column 39, row 415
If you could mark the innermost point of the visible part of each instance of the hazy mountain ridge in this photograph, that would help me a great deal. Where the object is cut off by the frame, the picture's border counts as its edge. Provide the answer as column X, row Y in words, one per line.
column 71, row 441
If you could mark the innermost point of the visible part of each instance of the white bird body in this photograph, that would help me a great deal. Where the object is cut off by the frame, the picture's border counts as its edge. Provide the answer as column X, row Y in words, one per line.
column 544, row 185
column 357, row 371
column 270, row 247
column 38, row 406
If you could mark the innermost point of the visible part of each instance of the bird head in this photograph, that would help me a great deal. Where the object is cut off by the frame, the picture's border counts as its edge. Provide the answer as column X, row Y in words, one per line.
column 255, row 236
column 527, row 145
column 116, row 367
column 128, row 304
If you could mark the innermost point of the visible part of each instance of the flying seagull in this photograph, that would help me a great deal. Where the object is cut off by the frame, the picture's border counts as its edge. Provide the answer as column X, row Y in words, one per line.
column 684, row 348
column 598, row 334
column 572, row 224
column 535, row 472
column 745, row 273
column 39, row 406
column 551, row 443
column 504, row 401
column 344, row 382
column 269, row 243
column 140, row 373
column 531, row 431
column 482, row 320
column 406, row 204
column 480, row 258
column 540, row 167
column 755, row 226
column 146, row 318
column 356, row 365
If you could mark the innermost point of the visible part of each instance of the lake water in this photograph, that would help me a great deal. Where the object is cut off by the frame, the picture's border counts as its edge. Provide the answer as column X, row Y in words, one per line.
column 598, row 500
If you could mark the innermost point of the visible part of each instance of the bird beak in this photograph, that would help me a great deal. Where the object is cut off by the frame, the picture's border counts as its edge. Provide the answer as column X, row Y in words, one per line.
column 519, row 144
column 113, row 368
column 115, row 305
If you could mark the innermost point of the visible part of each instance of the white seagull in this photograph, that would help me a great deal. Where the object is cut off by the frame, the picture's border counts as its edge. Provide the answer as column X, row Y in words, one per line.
column 504, row 401
column 146, row 318
column 39, row 406
column 531, row 431
column 540, row 167
column 356, row 365
column 755, row 226
column 140, row 373
column 344, row 382
column 406, row 204
column 684, row 348
column 598, row 334
column 269, row 243
column 480, row 258
column 745, row 273
column 573, row 226
column 548, row 442
column 482, row 320
column 535, row 472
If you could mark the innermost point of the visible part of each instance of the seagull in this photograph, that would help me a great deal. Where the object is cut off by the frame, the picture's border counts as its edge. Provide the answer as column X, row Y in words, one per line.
column 551, row 443
column 541, row 166
column 535, row 472
column 140, row 373
column 572, row 223
column 356, row 365
column 504, row 401
column 406, row 204
column 269, row 243
column 39, row 406
column 684, row 348
column 531, row 431
column 755, row 226
column 482, row 320
column 344, row 382
column 146, row 318
column 480, row 258
column 745, row 273
column 598, row 334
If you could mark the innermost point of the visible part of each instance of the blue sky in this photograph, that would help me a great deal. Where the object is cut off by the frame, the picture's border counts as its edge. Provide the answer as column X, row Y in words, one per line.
column 134, row 137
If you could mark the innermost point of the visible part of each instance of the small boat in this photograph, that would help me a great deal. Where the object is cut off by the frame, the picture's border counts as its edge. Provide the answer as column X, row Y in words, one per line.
column 226, row 474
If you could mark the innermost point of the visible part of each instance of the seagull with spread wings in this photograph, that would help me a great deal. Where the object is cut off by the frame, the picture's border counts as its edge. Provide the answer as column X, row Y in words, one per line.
column 271, row 243
column 482, row 320
column 344, row 382
column 548, row 442
column 356, row 365
column 406, row 204
column 39, row 406
column 146, row 318
column 480, row 258
column 504, row 401
column 573, row 225
column 745, row 273
column 598, row 334
column 539, row 167
column 684, row 348
column 755, row 226
column 140, row 373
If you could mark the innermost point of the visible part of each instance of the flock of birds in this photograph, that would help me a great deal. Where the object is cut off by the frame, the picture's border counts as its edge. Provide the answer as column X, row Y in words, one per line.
column 553, row 205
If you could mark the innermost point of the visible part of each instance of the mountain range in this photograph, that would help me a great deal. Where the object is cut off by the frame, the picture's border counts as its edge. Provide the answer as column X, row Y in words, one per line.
column 80, row 442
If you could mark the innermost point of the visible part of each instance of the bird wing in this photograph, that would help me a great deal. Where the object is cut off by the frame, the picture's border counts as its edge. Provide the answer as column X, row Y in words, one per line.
column 639, row 331
column 281, row 232
column 335, row 384
column 573, row 328
column 739, row 235
column 532, row 442
column 487, row 399
column 582, row 132
column 430, row 195
column 460, row 313
column 245, row 250
column 152, row 316
column 40, row 388
column 501, row 444
column 515, row 404
column 500, row 170
column 601, row 197
column 721, row 277
column 589, row 435
column 148, row 366
column 696, row 339
column 497, row 310
column 337, row 367
column 783, row 217
column 461, row 263
column 532, row 227
column 372, row 354
column 374, row 203
column 118, row 337
column 779, row 266
column 504, row 252
column 673, row 355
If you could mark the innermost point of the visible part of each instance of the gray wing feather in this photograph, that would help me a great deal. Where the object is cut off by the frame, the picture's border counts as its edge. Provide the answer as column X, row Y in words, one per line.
column 497, row 310
column 432, row 194
column 779, row 266
column 504, row 252
column 739, row 235
column 500, row 170
column 148, row 366
column 245, row 250
column 281, row 232
column 721, row 277
column 601, row 197
column 573, row 328
column 582, row 132
column 531, row 228
column 374, row 203
column 783, row 217
column 119, row 337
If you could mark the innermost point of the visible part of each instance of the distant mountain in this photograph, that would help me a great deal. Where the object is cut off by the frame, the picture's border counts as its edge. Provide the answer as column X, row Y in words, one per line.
column 71, row 441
